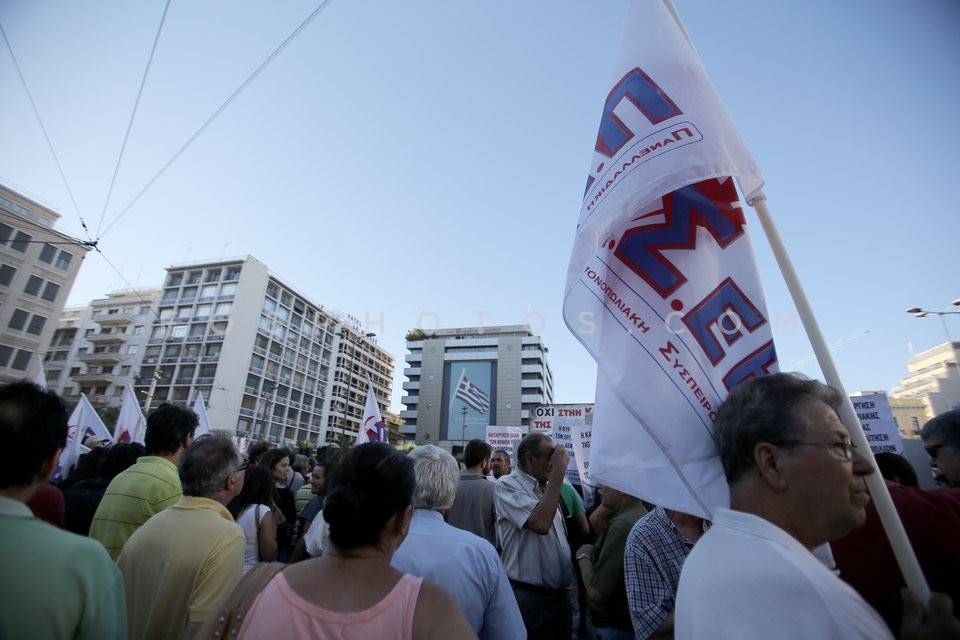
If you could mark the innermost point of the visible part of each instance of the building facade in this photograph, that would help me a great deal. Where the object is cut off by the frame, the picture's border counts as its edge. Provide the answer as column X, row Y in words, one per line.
column 270, row 363
column 97, row 350
column 506, row 365
column 38, row 266
column 934, row 379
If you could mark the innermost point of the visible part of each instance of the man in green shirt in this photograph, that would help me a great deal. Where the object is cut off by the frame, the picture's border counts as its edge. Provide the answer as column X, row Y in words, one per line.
column 601, row 566
column 149, row 486
column 55, row 584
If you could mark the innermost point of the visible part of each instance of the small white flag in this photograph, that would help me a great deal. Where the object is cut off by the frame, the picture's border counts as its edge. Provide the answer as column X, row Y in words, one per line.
column 41, row 378
column 131, row 425
column 203, row 423
column 372, row 428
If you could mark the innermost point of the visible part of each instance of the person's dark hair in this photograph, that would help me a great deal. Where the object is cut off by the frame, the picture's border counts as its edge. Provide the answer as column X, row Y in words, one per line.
column 207, row 463
column 167, row 427
column 33, row 425
column 476, row 452
column 120, row 457
column 257, row 449
column 258, row 488
column 765, row 409
column 945, row 428
column 89, row 465
column 300, row 463
column 372, row 483
column 271, row 458
column 896, row 468
column 529, row 445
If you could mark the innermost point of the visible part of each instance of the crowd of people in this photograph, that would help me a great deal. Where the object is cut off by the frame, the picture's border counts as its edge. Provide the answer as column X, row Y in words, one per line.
column 164, row 540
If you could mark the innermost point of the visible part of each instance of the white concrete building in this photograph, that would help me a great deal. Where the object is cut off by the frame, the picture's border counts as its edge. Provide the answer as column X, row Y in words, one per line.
column 270, row 363
column 38, row 266
column 934, row 379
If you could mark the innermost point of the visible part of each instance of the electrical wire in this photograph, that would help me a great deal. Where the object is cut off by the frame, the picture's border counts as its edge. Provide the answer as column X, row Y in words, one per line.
column 46, row 137
column 219, row 110
column 133, row 114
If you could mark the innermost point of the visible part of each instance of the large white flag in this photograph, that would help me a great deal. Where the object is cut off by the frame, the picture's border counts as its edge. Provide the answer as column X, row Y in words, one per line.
column 662, row 287
column 203, row 422
column 131, row 425
column 372, row 427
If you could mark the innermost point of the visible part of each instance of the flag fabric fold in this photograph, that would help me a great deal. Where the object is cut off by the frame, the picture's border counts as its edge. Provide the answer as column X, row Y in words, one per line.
column 41, row 378
column 662, row 286
column 472, row 395
column 82, row 423
column 131, row 425
column 372, row 427
column 203, row 422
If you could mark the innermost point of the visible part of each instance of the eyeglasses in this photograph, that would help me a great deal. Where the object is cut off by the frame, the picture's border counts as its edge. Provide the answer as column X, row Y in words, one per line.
column 933, row 449
column 844, row 448
column 243, row 466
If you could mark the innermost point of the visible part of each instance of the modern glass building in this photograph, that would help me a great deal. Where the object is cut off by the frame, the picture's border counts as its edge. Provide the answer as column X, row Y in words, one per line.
column 459, row 381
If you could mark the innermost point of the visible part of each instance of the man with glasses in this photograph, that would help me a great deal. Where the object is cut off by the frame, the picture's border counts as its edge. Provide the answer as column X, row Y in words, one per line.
column 941, row 439
column 796, row 482
column 183, row 561
column 530, row 527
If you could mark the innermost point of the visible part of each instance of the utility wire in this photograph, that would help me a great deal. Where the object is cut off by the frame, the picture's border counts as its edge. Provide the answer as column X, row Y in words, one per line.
column 219, row 110
column 136, row 104
column 46, row 137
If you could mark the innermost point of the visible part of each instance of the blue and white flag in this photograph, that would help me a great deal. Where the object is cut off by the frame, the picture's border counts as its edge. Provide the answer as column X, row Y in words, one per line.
column 472, row 395
column 662, row 286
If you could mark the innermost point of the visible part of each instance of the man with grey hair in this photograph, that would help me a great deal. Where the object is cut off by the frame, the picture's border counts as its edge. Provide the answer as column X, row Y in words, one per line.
column 796, row 482
column 184, row 560
column 465, row 565
column 531, row 533
column 941, row 439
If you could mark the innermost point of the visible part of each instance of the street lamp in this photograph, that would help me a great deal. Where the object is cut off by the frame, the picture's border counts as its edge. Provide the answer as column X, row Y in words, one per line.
column 923, row 313
column 463, row 429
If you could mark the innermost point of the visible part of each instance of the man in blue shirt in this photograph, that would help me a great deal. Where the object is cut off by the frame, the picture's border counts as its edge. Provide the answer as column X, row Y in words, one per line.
column 465, row 565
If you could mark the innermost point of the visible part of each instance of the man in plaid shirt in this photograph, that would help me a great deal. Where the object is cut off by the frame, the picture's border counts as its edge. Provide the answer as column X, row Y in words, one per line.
column 656, row 548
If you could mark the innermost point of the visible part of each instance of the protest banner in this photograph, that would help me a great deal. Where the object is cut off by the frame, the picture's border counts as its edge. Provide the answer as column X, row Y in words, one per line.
column 879, row 425
column 555, row 421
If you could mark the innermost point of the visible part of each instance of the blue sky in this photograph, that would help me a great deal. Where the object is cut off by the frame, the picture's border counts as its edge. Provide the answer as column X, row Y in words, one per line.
column 425, row 161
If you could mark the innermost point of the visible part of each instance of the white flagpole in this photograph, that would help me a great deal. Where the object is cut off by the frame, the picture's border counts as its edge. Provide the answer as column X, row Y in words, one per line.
column 904, row 553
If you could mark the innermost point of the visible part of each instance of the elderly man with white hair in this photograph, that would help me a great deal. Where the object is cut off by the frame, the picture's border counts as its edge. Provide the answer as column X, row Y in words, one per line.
column 465, row 565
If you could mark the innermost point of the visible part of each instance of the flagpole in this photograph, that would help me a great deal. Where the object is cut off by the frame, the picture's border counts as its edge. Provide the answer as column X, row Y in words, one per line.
column 892, row 525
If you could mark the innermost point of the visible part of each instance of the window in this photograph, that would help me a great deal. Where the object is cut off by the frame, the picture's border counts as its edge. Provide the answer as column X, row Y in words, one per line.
column 20, row 243
column 63, row 261
column 179, row 331
column 213, row 275
column 6, row 274
column 138, row 330
column 189, row 293
column 125, row 370
column 132, row 349
column 175, row 279
column 33, row 286
column 194, row 277
column 228, row 290
column 203, row 310
column 208, row 291
column 166, row 314
column 6, row 232
column 18, row 320
column 5, row 353
column 50, row 291
column 233, row 273
column 191, row 350
column 36, row 325
column 169, row 294
column 21, row 360
column 198, row 329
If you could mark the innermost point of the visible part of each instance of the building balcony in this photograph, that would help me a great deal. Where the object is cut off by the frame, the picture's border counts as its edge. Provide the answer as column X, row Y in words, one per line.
column 104, row 357
column 106, row 338
column 411, row 386
column 410, row 400
column 113, row 319
column 93, row 378
column 411, row 371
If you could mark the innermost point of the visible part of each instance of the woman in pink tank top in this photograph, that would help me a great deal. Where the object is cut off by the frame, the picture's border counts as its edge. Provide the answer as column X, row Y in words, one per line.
column 352, row 591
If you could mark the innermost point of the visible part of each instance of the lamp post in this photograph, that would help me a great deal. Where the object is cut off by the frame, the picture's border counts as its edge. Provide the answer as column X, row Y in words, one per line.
column 463, row 429
column 923, row 313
